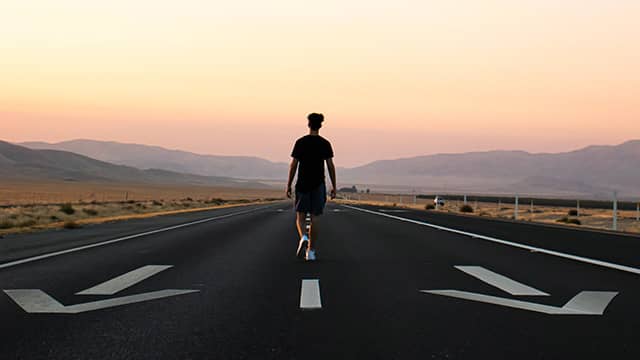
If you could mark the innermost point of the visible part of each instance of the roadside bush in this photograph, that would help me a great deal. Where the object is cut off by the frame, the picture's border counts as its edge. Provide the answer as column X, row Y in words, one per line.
column 430, row 207
column 27, row 223
column 466, row 209
column 54, row 218
column 566, row 220
column 13, row 216
column 156, row 203
column 573, row 212
column 6, row 224
column 71, row 225
column 394, row 204
column 90, row 212
column 67, row 209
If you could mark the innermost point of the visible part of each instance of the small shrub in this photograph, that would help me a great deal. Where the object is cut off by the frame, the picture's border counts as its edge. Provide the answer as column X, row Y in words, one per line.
column 574, row 221
column 67, row 209
column 156, row 203
column 13, row 216
column 188, row 199
column 563, row 220
column 429, row 207
column 71, row 225
column 54, row 218
column 394, row 204
column 27, row 223
column 466, row 209
column 573, row 212
column 6, row 224
column 90, row 212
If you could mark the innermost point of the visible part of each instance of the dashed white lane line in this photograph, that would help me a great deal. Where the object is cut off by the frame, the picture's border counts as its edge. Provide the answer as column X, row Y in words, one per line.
column 586, row 260
column 500, row 281
column 134, row 236
column 310, row 295
column 124, row 281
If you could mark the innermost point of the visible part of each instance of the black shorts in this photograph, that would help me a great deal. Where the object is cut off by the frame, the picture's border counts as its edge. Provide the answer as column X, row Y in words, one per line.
column 313, row 201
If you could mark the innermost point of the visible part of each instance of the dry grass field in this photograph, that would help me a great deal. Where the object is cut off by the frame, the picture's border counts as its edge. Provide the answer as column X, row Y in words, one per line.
column 33, row 206
column 588, row 218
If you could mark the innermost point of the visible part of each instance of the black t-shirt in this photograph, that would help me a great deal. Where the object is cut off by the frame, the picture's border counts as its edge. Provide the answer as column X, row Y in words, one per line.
column 311, row 151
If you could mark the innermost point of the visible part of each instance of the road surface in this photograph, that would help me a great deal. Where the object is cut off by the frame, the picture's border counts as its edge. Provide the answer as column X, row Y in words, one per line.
column 389, row 284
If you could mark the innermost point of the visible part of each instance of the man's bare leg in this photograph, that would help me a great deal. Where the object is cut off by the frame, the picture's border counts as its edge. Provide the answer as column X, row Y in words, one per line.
column 300, row 219
column 313, row 232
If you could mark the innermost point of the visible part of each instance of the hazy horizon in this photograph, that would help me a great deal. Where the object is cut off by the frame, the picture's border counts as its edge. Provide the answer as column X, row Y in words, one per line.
column 394, row 78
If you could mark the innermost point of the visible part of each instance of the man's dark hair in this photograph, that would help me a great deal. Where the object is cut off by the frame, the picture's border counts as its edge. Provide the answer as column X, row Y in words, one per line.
column 315, row 121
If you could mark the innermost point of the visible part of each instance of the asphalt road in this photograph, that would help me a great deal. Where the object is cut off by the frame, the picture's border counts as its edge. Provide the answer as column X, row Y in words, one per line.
column 376, row 291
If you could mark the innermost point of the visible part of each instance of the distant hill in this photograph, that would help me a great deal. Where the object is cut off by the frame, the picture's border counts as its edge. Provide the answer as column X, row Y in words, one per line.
column 21, row 163
column 594, row 171
column 154, row 157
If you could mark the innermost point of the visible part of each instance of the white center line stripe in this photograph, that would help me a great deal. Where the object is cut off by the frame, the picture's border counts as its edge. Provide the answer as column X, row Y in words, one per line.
column 124, row 281
column 606, row 264
column 501, row 282
column 310, row 294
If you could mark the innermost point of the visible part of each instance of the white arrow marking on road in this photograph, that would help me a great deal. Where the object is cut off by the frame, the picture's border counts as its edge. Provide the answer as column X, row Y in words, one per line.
column 310, row 294
column 124, row 281
column 585, row 303
column 501, row 282
column 37, row 301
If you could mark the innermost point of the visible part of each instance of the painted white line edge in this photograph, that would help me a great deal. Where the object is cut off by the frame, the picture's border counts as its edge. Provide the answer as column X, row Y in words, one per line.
column 585, row 303
column 119, row 283
column 129, row 237
column 500, row 281
column 37, row 301
column 606, row 264
column 310, row 294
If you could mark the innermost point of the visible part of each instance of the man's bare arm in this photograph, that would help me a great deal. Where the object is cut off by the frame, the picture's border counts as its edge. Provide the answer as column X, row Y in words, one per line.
column 332, row 176
column 292, row 173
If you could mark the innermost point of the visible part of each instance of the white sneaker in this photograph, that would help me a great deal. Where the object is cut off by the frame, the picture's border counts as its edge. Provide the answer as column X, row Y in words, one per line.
column 302, row 245
column 311, row 255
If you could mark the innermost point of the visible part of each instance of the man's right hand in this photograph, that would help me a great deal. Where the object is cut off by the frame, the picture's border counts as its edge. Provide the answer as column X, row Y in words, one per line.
column 288, row 192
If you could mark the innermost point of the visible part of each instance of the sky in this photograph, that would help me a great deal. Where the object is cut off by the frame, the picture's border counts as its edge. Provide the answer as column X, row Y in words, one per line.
column 394, row 78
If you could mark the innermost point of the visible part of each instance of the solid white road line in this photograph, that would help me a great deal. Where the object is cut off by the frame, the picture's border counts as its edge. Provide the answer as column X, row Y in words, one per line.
column 501, row 282
column 310, row 294
column 585, row 303
column 124, row 281
column 113, row 241
column 37, row 301
column 606, row 264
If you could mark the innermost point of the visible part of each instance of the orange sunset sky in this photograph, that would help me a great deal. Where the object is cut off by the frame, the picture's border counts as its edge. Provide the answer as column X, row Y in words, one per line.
column 394, row 78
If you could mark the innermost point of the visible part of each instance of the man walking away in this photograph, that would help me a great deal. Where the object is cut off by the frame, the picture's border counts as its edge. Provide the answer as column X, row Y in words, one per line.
column 309, row 155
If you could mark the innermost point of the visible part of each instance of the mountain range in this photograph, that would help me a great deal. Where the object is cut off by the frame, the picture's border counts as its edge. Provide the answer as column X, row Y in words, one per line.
column 594, row 171
column 21, row 163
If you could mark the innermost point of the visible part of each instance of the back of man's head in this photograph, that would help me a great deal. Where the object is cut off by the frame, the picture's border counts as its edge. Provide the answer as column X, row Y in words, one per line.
column 315, row 121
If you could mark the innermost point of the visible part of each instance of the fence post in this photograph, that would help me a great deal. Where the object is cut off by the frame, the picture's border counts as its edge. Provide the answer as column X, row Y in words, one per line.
column 515, row 212
column 578, row 208
column 638, row 212
column 415, row 199
column 465, row 199
column 437, row 205
column 615, row 210
column 531, row 211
